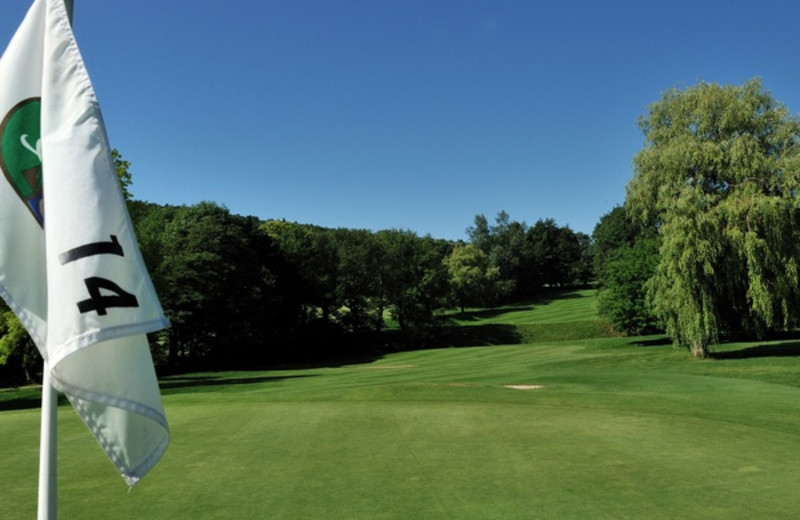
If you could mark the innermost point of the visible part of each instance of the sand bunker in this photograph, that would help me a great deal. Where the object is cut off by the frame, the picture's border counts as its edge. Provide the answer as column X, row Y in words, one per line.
column 524, row 387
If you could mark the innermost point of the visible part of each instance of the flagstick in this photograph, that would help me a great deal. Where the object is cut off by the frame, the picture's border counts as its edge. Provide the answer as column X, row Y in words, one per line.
column 48, row 490
column 48, row 441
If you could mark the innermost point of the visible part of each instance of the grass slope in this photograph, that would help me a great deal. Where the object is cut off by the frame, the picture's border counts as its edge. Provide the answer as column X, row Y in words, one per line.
column 558, row 315
column 621, row 428
column 555, row 306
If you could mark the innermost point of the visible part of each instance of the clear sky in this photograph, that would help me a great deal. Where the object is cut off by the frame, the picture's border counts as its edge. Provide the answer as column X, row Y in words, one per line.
column 412, row 114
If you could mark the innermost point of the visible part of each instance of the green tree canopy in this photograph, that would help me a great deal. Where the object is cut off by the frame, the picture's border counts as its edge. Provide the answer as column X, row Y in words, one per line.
column 17, row 350
column 614, row 230
column 358, row 280
column 625, row 256
column 621, row 291
column 719, row 177
column 215, row 285
column 122, row 168
column 414, row 279
column 555, row 251
column 472, row 280
column 504, row 246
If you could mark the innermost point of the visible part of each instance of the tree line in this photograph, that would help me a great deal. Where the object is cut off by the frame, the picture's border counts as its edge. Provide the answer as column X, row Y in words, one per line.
column 241, row 292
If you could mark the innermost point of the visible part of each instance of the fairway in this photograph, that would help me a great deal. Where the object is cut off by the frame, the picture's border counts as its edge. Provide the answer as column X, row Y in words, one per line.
column 615, row 428
column 554, row 306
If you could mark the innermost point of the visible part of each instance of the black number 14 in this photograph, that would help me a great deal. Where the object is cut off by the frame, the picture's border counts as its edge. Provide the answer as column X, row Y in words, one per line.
column 115, row 296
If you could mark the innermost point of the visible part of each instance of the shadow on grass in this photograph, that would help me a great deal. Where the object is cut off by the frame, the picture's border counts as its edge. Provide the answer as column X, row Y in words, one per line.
column 211, row 382
column 485, row 314
column 786, row 349
column 544, row 298
column 657, row 342
column 477, row 336
column 503, row 334
column 559, row 294
column 31, row 397
column 24, row 399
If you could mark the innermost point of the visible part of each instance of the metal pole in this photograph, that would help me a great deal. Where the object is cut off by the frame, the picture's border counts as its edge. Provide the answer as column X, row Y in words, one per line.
column 48, row 488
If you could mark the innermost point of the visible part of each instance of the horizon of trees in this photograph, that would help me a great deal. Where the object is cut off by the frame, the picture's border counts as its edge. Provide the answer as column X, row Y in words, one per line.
column 241, row 292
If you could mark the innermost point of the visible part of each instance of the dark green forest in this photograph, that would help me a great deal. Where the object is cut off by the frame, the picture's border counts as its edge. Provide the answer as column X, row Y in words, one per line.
column 245, row 293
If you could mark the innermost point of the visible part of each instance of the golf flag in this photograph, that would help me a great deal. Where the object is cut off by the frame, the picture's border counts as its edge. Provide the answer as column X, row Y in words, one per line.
column 70, row 267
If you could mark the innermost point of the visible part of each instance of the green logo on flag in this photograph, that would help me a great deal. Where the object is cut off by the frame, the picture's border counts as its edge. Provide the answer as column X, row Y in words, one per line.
column 21, row 153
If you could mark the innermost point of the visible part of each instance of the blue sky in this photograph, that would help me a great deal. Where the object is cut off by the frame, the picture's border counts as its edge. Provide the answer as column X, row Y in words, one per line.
column 412, row 114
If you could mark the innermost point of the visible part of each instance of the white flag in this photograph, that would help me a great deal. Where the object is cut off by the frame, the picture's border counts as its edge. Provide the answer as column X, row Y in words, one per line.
column 70, row 266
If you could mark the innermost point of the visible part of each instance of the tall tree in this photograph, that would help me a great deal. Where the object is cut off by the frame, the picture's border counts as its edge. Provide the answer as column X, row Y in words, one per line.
column 614, row 230
column 626, row 254
column 214, row 286
column 473, row 281
column 621, row 292
column 358, row 282
column 310, row 254
column 505, row 246
column 719, row 175
column 556, row 252
column 414, row 279
column 583, row 268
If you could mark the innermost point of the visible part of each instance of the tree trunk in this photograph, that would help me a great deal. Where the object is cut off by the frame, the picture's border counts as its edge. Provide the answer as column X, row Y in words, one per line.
column 700, row 349
column 172, row 351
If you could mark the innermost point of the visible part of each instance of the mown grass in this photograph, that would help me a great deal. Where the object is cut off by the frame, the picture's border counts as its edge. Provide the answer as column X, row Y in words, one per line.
column 557, row 315
column 620, row 428
column 553, row 306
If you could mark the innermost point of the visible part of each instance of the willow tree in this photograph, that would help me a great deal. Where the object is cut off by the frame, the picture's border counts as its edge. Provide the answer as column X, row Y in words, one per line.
column 719, row 176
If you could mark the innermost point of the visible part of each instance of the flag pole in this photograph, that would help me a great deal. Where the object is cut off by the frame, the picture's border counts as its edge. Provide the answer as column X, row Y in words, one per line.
column 48, row 442
column 48, row 489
